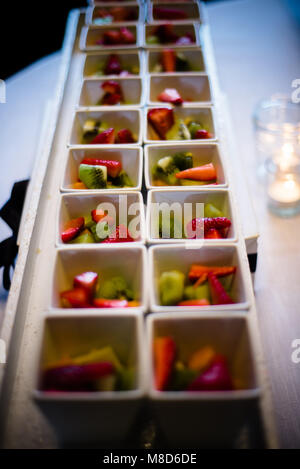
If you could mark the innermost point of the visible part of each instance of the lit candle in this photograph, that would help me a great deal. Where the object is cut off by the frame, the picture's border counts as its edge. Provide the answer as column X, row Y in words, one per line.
column 285, row 189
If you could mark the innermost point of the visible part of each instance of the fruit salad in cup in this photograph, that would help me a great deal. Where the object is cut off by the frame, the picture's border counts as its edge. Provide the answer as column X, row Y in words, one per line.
column 99, row 369
column 115, row 65
column 90, row 290
column 97, row 132
column 114, row 14
column 205, row 285
column 166, row 34
column 116, row 37
column 204, row 370
column 171, row 61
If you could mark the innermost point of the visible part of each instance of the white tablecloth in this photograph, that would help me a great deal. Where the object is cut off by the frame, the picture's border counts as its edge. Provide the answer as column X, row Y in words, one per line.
column 257, row 47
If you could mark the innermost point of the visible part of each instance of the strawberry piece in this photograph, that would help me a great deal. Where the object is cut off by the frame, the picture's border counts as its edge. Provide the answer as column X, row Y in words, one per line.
column 72, row 229
column 110, row 99
column 184, row 40
column 164, row 357
column 168, row 60
column 218, row 293
column 162, row 13
column 170, row 95
column 111, row 37
column 76, row 298
column 215, row 378
column 113, row 65
column 127, row 37
column 104, row 303
column 165, row 33
column 86, row 280
column 120, row 235
column 111, row 86
column 213, row 234
column 105, row 137
column 113, row 167
column 125, row 136
column 221, row 224
column 75, row 377
column 161, row 119
column 202, row 134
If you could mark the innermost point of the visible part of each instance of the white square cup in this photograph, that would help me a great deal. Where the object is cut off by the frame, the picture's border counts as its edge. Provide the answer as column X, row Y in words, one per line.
column 92, row 417
column 163, row 258
column 202, row 114
column 203, row 153
column 177, row 199
column 124, row 203
column 90, row 35
column 194, row 89
column 194, row 57
column 108, row 261
column 205, row 419
column 138, row 9
column 117, row 118
column 190, row 8
column 181, row 29
column 130, row 157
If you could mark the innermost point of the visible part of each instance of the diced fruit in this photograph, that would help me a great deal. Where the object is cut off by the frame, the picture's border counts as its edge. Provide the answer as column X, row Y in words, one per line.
column 202, row 134
column 79, row 186
column 213, row 234
column 195, row 226
column 105, row 303
column 168, row 59
column 86, row 280
column 85, row 237
column 163, row 13
column 113, row 65
column 127, row 37
column 152, row 40
column 222, row 224
column 111, row 99
column 193, row 127
column 93, row 176
column 206, row 172
column 76, row 298
column 113, row 167
column 90, row 128
column 105, row 354
column 202, row 302
column 111, row 86
column 120, row 235
column 107, row 290
column 170, row 95
column 98, row 215
column 164, row 357
column 75, row 377
column 165, row 33
column 218, row 293
column 181, row 377
column 197, row 293
column 72, row 229
column 201, row 358
column 182, row 64
column 161, row 119
column 126, row 379
column 184, row 131
column 111, row 37
column 171, row 285
column 210, row 211
column 125, row 136
column 216, row 378
column 105, row 137
column 198, row 270
column 183, row 160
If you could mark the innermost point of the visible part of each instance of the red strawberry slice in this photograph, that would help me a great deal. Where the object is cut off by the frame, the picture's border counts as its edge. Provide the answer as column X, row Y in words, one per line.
column 125, row 136
column 72, row 229
column 86, row 280
column 202, row 134
column 215, row 378
column 75, row 377
column 120, row 235
column 111, row 37
column 113, row 167
column 161, row 119
column 168, row 60
column 220, row 224
column 104, row 303
column 113, row 65
column 218, row 293
column 162, row 13
column 127, row 37
column 105, row 137
column 76, row 298
column 213, row 234
column 170, row 95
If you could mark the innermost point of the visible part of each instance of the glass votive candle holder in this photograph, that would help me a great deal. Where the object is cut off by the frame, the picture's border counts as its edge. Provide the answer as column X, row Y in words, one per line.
column 283, row 190
column 277, row 134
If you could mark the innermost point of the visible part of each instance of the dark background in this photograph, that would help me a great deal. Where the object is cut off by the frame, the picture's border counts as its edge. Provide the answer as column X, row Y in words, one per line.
column 30, row 30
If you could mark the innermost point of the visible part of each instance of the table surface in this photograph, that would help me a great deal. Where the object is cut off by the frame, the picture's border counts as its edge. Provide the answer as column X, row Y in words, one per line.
column 257, row 49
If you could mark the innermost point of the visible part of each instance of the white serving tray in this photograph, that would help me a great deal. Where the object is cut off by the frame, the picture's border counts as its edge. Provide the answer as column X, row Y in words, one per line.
column 22, row 425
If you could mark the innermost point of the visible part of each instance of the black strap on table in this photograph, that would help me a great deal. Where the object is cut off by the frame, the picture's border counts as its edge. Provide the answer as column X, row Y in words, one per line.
column 11, row 213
